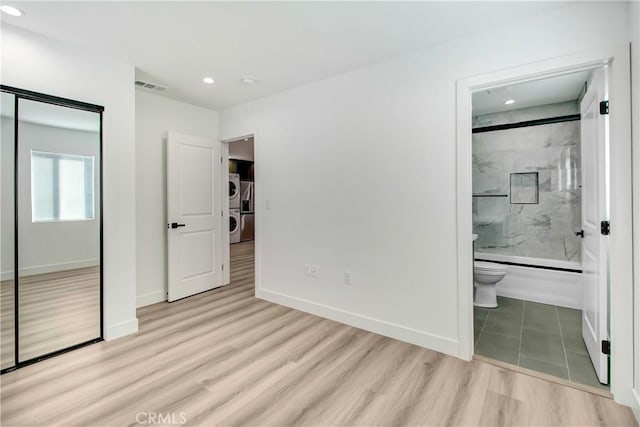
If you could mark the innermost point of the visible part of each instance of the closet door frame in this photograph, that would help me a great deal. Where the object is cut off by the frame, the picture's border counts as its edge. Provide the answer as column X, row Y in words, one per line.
column 78, row 105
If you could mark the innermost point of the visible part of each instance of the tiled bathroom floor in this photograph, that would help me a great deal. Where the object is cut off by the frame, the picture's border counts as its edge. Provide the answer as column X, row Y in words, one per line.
column 536, row 336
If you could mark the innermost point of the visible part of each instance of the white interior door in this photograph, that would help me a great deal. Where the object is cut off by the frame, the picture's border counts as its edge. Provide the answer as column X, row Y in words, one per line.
column 594, row 210
column 194, row 215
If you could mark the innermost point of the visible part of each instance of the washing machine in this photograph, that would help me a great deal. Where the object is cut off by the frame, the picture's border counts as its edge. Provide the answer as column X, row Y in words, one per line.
column 234, row 191
column 234, row 225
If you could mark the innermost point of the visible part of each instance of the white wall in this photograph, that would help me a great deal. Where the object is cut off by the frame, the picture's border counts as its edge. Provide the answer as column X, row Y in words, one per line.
column 43, row 65
column 634, row 21
column 360, row 172
column 154, row 117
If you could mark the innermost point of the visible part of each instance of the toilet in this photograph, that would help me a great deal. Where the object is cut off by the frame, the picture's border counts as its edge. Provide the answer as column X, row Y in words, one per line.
column 485, row 277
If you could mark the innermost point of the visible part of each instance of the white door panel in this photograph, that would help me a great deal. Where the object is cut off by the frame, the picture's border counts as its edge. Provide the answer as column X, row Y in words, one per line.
column 194, row 205
column 594, row 210
column 196, row 181
column 201, row 245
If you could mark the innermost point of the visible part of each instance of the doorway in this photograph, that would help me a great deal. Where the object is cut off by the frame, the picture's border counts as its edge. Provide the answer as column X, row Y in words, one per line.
column 619, row 186
column 539, row 192
column 241, row 198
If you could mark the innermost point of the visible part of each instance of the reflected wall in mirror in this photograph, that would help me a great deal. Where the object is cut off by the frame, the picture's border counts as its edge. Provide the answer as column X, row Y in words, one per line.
column 7, row 224
column 51, row 254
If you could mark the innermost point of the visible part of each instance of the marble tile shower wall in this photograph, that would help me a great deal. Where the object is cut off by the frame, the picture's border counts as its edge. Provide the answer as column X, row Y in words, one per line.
column 544, row 230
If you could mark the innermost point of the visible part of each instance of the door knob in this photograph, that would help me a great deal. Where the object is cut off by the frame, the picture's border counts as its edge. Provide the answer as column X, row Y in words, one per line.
column 580, row 233
column 176, row 225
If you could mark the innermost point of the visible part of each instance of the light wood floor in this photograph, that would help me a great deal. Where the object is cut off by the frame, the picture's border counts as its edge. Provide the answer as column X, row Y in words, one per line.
column 226, row 358
column 57, row 310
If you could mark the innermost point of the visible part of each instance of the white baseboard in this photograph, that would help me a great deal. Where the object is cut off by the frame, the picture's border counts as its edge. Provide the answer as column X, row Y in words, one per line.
column 559, row 288
column 50, row 268
column 636, row 405
column 402, row 333
column 121, row 329
column 150, row 298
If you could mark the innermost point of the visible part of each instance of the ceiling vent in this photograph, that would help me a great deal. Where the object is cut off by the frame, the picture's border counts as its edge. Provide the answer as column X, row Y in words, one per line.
column 150, row 86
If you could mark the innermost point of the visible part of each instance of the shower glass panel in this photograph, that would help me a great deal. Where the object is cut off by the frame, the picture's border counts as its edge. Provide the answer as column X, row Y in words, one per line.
column 59, row 249
column 7, row 224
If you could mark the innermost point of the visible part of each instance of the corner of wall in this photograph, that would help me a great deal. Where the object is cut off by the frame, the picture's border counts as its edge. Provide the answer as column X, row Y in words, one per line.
column 150, row 298
column 121, row 329
column 387, row 329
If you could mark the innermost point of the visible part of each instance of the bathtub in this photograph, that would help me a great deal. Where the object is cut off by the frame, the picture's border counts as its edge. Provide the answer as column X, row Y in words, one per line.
column 539, row 280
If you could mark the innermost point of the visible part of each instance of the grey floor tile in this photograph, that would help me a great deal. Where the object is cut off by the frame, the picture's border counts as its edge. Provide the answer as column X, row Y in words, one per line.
column 476, row 333
column 505, row 316
column 560, row 371
column 509, row 305
column 573, row 342
column 497, row 334
column 581, row 370
column 542, row 346
column 511, row 327
column 480, row 313
column 570, row 319
column 541, row 317
column 499, row 347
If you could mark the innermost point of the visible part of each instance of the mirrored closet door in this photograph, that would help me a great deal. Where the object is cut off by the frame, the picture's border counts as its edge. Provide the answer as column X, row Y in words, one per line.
column 53, row 290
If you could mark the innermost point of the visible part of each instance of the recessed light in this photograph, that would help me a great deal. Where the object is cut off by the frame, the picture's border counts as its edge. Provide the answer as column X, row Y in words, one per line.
column 208, row 80
column 509, row 101
column 10, row 10
column 249, row 80
column 246, row 139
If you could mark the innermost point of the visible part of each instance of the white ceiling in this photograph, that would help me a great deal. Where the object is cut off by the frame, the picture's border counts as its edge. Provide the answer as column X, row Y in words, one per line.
column 282, row 44
column 530, row 94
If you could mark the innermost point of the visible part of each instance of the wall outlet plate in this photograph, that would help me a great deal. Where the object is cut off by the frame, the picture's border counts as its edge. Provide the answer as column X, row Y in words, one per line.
column 347, row 278
column 314, row 271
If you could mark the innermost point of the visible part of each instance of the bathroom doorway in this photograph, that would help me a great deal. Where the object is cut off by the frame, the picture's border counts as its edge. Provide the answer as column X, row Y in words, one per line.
column 532, row 201
column 534, row 165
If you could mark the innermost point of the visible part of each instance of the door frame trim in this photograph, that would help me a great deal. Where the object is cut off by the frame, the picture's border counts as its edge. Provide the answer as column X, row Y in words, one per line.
column 621, row 265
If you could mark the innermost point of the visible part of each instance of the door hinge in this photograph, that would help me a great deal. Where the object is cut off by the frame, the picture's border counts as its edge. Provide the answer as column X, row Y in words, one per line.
column 604, row 107
column 221, row 160
column 605, row 228
column 223, row 266
column 606, row 347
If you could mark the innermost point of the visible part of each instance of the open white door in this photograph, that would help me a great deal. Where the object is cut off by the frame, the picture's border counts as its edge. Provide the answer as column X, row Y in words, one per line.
column 194, row 211
column 594, row 210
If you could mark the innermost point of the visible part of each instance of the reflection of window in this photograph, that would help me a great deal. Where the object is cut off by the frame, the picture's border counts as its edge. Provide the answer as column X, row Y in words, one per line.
column 61, row 187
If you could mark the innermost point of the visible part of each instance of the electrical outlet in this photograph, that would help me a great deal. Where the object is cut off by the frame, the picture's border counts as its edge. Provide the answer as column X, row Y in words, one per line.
column 347, row 278
column 267, row 204
column 314, row 271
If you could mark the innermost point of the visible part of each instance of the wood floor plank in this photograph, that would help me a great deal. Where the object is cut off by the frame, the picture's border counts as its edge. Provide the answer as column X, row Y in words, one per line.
column 226, row 358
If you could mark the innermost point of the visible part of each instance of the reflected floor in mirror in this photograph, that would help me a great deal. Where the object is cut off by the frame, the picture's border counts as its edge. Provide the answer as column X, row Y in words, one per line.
column 57, row 310
column 7, row 325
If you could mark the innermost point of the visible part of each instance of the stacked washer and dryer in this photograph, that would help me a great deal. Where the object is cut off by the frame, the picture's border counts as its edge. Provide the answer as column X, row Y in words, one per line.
column 234, row 208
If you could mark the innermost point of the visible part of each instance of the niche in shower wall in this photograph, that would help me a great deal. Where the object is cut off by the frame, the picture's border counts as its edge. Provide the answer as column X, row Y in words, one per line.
column 516, row 225
column 524, row 188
